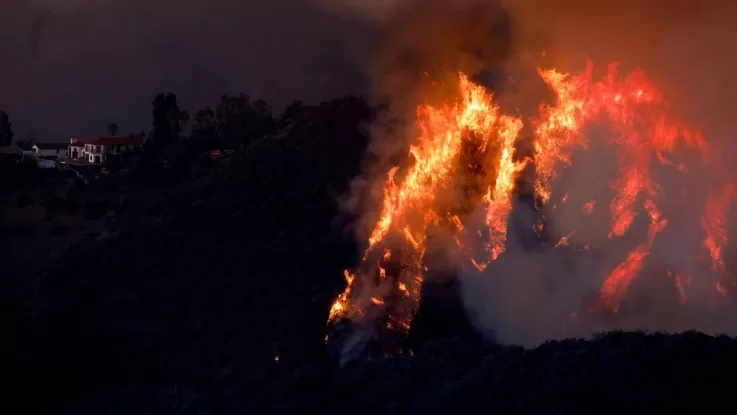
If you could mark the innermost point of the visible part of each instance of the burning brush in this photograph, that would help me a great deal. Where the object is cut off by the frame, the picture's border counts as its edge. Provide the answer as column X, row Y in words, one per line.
column 462, row 178
column 377, row 323
column 411, row 205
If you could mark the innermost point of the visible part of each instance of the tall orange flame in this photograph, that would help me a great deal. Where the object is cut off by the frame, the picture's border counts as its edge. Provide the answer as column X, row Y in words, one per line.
column 409, row 205
column 641, row 134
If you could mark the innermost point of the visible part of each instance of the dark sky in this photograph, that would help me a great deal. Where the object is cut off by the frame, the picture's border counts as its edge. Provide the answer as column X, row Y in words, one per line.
column 70, row 67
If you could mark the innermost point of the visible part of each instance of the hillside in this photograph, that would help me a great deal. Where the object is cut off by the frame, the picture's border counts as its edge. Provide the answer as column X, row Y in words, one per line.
column 211, row 297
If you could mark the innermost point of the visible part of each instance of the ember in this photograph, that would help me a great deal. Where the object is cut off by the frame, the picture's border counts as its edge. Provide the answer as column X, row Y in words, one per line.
column 646, row 139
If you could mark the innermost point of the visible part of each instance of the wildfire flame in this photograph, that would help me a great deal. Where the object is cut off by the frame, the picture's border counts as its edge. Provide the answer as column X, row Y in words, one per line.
column 410, row 206
column 468, row 143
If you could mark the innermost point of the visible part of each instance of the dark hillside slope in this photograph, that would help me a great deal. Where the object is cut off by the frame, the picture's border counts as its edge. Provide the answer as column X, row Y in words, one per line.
column 186, row 310
column 217, row 279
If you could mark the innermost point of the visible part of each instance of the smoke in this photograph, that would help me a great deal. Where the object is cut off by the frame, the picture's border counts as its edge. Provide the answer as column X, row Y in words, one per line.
column 46, row 9
column 530, row 296
column 682, row 44
column 38, row 24
column 414, row 54
column 72, row 67
column 534, row 293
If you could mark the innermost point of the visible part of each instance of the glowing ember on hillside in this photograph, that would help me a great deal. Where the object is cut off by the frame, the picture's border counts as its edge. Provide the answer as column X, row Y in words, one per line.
column 464, row 162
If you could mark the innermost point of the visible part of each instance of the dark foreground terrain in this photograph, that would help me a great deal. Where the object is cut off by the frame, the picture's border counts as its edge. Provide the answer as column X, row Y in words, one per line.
column 212, row 296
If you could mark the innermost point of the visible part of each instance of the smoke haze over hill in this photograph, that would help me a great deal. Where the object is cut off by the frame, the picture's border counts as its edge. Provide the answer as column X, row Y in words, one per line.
column 71, row 67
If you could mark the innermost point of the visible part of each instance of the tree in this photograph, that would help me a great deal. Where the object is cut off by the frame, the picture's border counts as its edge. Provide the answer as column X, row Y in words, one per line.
column 233, row 114
column 27, row 141
column 205, row 125
column 291, row 112
column 6, row 130
column 167, row 122
column 113, row 129
column 177, row 119
column 142, row 135
column 23, row 143
column 241, row 120
column 263, row 120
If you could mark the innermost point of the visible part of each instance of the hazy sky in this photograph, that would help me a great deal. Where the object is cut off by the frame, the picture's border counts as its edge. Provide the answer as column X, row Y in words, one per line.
column 70, row 67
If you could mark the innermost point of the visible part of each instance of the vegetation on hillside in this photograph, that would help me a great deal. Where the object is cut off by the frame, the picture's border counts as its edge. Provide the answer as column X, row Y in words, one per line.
column 208, row 291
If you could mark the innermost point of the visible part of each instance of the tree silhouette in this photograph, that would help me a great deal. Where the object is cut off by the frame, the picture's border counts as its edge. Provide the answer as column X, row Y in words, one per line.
column 113, row 129
column 177, row 119
column 233, row 114
column 263, row 122
column 291, row 112
column 168, row 121
column 6, row 130
column 205, row 125
column 241, row 120
column 27, row 141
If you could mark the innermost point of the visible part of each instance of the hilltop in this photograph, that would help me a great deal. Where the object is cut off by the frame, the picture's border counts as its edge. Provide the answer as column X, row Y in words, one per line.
column 208, row 292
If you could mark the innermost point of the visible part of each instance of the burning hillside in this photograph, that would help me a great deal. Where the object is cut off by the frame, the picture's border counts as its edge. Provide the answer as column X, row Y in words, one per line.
column 470, row 161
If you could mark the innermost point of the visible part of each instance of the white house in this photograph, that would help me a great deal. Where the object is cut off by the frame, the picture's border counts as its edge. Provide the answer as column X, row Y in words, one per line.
column 102, row 150
column 75, row 149
column 58, row 150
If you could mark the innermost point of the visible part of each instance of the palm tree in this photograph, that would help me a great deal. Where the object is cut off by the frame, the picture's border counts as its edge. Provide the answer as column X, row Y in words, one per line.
column 6, row 130
column 177, row 119
column 113, row 129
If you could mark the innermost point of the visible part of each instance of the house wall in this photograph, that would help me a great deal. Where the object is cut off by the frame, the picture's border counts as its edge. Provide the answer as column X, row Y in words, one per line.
column 92, row 152
column 75, row 152
column 61, row 153
column 96, row 158
column 89, row 152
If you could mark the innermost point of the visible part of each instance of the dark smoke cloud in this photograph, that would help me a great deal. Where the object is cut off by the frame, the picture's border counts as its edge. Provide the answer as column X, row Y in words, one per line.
column 438, row 37
column 36, row 29
column 70, row 67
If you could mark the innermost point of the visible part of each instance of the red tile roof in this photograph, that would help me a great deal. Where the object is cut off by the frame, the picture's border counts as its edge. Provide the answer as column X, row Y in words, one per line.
column 76, row 144
column 117, row 140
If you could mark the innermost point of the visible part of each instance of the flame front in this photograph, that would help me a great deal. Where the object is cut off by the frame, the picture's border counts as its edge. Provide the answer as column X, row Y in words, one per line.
column 641, row 133
column 467, row 149
column 411, row 205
